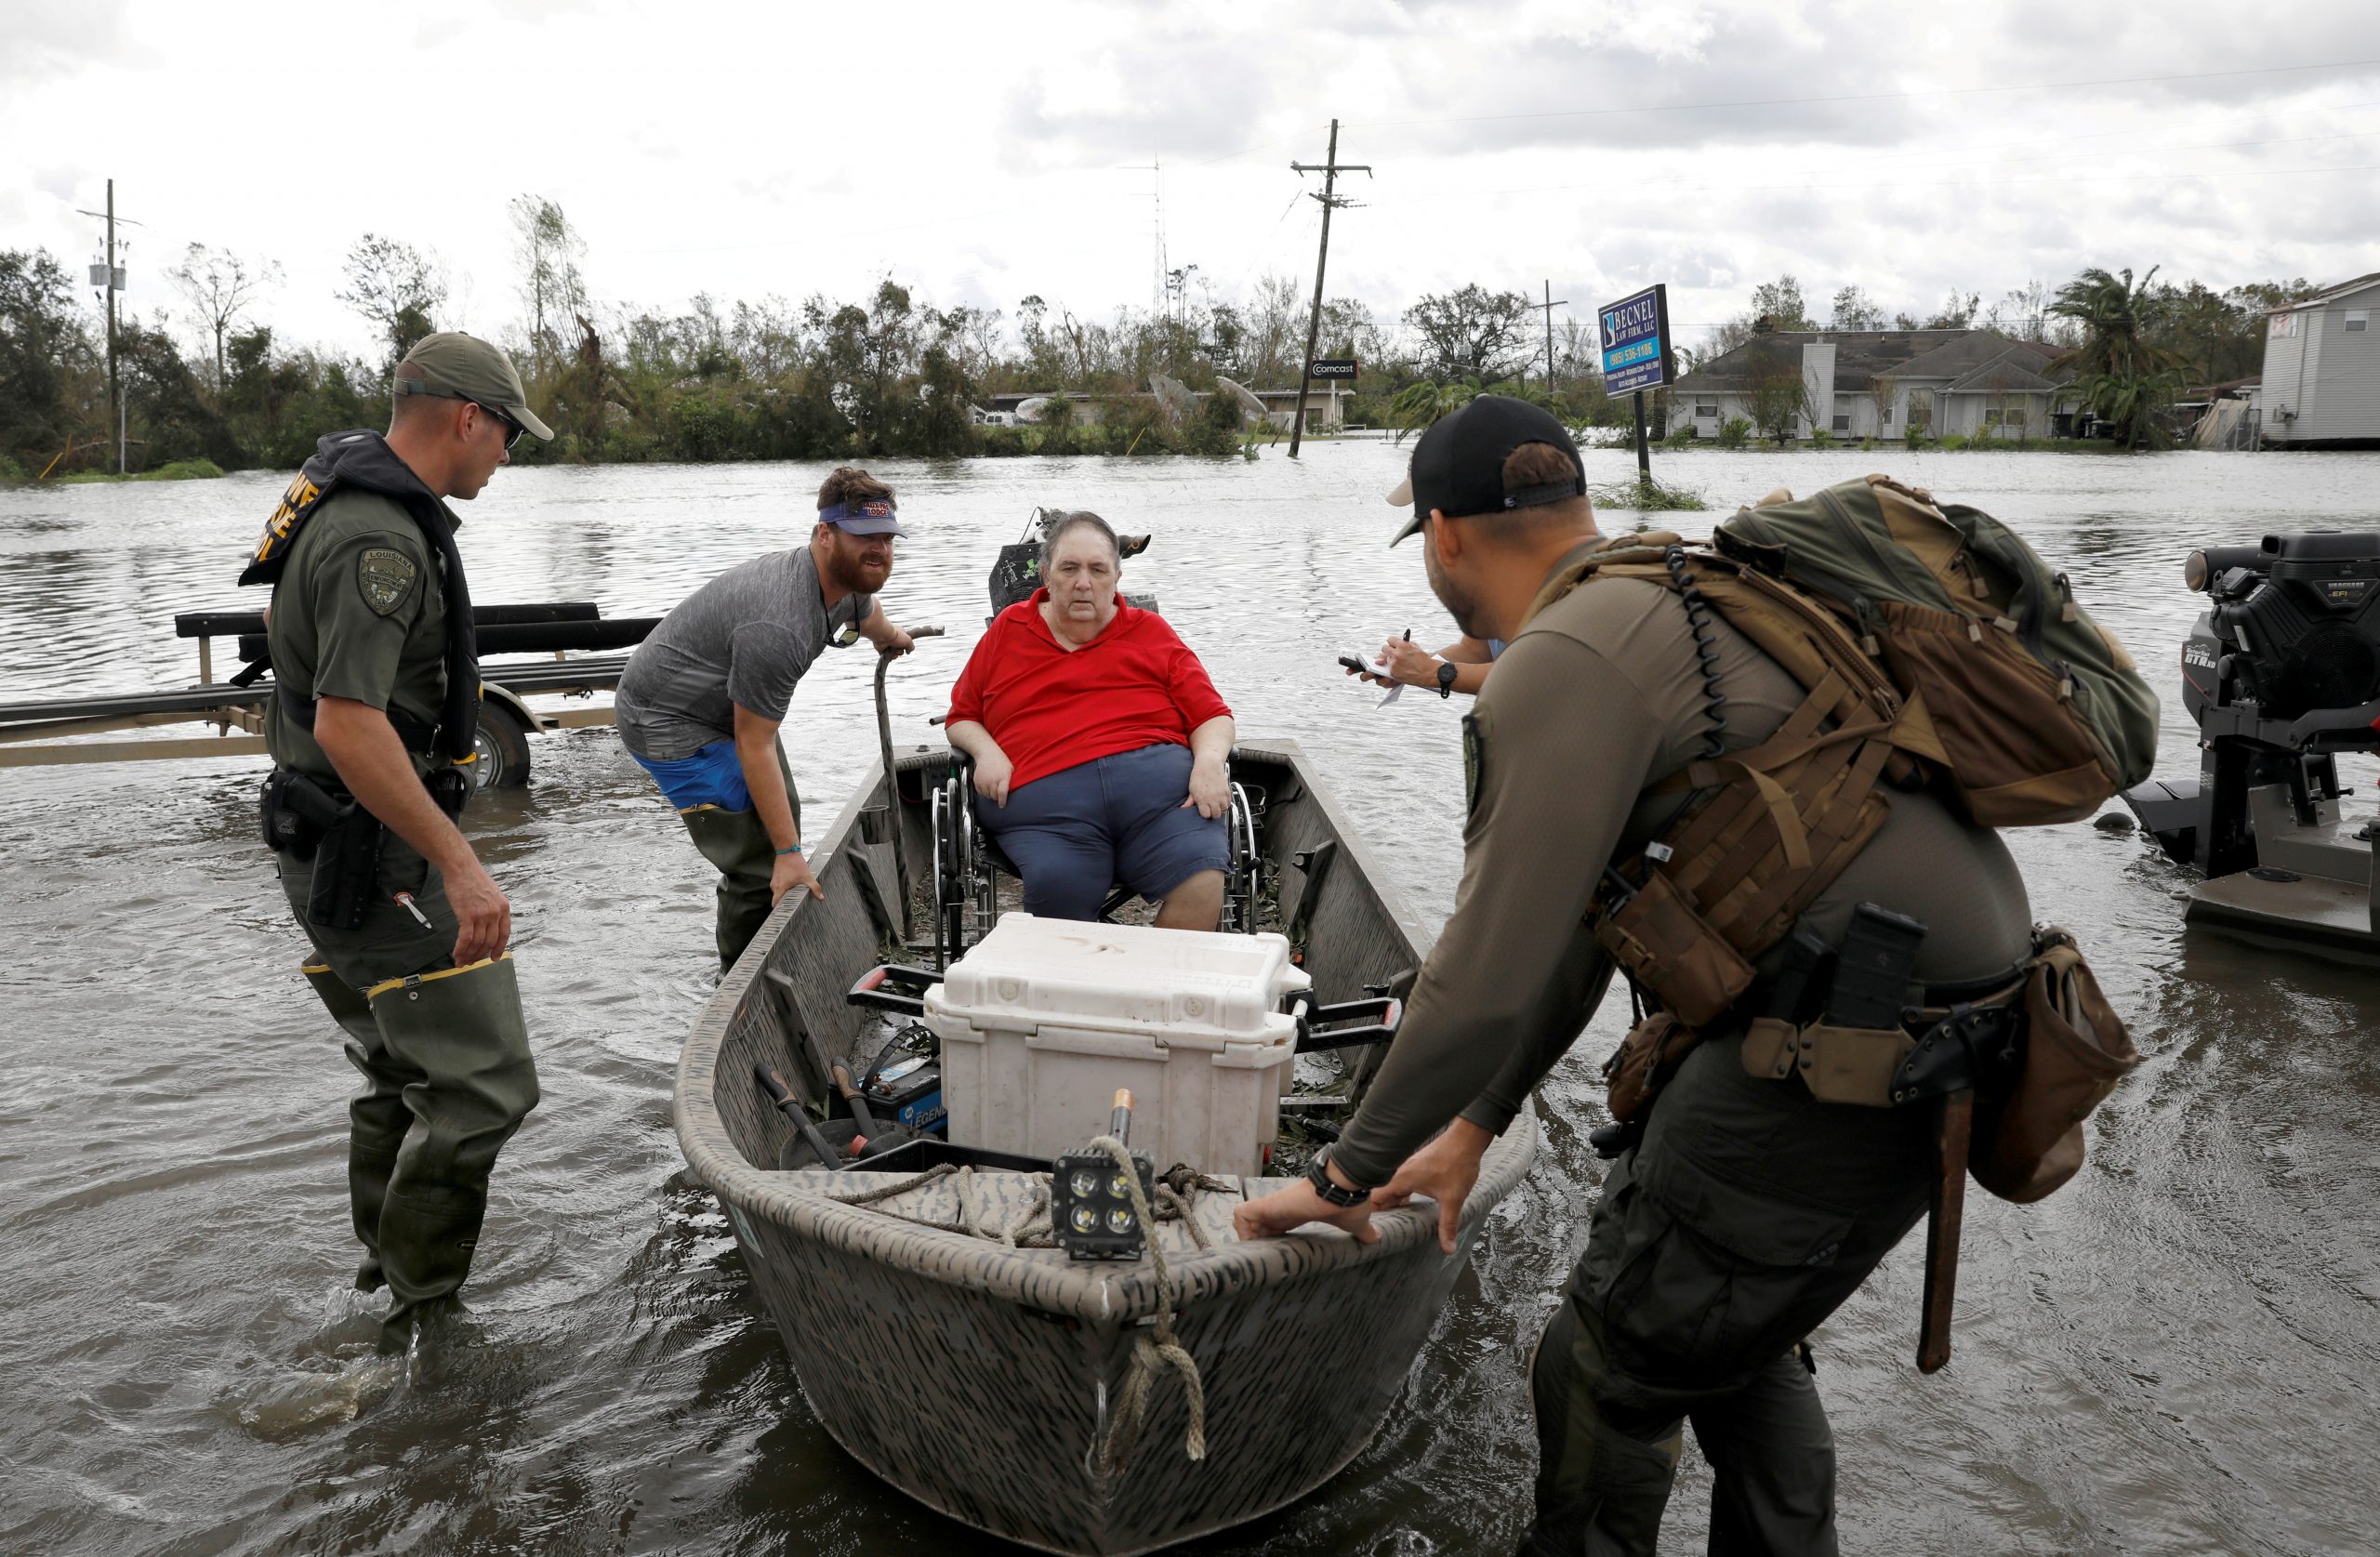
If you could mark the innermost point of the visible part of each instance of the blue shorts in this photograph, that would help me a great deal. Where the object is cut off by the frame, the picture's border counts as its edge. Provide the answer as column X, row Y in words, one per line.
column 1114, row 820
column 713, row 776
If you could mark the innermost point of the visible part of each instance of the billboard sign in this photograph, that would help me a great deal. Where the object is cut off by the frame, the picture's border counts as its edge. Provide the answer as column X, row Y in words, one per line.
column 1637, row 342
column 1334, row 367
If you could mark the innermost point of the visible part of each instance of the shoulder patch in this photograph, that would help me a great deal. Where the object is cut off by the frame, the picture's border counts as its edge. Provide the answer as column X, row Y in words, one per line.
column 386, row 577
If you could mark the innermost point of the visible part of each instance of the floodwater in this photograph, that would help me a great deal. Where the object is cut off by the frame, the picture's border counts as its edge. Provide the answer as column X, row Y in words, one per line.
column 2175, row 1355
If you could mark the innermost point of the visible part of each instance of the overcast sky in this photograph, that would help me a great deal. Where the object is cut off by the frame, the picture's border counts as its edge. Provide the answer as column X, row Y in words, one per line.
column 983, row 152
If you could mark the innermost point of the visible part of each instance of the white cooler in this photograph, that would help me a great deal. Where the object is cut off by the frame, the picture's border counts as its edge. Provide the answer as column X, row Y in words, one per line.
column 1045, row 1019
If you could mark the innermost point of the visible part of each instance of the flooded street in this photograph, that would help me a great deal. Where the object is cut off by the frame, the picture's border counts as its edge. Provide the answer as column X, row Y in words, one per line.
column 2162, row 1358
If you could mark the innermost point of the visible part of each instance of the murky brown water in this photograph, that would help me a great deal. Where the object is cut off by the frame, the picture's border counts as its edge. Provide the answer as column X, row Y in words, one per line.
column 2175, row 1355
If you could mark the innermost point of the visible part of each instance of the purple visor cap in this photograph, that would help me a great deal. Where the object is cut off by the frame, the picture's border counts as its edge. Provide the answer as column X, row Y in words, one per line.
column 873, row 517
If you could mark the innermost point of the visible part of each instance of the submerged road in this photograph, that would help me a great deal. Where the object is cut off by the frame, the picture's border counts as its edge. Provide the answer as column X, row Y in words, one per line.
column 2173, row 1356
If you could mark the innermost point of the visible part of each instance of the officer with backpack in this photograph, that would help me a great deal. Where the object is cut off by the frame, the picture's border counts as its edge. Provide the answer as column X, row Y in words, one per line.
column 1699, row 772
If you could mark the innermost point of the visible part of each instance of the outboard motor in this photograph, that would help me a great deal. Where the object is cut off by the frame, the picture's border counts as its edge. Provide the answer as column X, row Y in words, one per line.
column 2281, row 673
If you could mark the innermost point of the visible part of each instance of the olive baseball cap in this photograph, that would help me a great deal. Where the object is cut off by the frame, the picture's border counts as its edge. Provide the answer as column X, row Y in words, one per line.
column 1458, row 465
column 457, row 366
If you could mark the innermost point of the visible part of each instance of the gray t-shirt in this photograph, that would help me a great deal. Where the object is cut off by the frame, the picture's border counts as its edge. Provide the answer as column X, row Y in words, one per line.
column 745, row 638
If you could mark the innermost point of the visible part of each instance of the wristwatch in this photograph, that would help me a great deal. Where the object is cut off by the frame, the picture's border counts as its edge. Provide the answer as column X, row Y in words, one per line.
column 1446, row 678
column 1318, row 1173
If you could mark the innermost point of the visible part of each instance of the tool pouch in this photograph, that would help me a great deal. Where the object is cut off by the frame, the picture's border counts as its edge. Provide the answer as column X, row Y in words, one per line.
column 347, row 863
column 2028, row 1139
column 1663, row 943
column 1644, row 1063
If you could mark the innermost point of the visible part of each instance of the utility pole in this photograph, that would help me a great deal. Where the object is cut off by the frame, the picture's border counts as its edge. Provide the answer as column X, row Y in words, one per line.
column 1550, row 304
column 1330, row 169
column 113, row 277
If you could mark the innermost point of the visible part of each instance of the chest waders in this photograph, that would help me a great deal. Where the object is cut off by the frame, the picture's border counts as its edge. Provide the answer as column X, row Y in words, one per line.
column 442, row 1051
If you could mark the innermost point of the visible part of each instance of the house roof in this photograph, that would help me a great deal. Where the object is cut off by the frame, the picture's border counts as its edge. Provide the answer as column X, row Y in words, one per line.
column 2330, row 294
column 2015, row 370
column 1863, row 356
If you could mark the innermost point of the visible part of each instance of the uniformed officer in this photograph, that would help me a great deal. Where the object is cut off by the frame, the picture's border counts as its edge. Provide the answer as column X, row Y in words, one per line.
column 375, row 706
column 1747, row 1211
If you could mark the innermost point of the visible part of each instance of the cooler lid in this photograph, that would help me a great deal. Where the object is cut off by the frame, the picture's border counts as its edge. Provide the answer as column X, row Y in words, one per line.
column 1177, row 983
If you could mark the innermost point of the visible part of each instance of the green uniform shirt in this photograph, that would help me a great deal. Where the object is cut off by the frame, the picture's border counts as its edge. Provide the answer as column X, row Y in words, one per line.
column 359, row 612
column 1596, row 701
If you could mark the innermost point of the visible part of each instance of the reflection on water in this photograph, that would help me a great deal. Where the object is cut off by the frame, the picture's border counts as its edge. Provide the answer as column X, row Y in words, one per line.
column 2171, row 1355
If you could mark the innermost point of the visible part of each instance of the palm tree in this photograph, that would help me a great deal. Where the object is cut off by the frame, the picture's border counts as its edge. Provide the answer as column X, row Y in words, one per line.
column 1419, row 404
column 2121, row 375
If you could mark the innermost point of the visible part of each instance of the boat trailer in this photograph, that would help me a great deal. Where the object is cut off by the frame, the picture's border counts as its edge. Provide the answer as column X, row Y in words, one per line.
column 51, row 731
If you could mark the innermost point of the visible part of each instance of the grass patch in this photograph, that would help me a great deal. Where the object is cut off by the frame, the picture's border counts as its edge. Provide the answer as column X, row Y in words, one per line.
column 1648, row 494
column 177, row 471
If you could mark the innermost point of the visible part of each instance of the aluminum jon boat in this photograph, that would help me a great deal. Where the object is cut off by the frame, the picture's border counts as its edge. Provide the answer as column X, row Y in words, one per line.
column 1069, row 1395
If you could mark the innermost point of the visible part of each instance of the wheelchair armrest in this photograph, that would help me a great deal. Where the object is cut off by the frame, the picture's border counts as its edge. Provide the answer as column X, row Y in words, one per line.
column 1387, row 1009
column 905, row 995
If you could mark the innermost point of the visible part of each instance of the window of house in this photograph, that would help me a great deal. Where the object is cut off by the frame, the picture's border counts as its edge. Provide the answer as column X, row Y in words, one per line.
column 1991, row 415
column 2359, row 319
column 1705, row 408
column 2013, row 416
column 1921, row 410
column 1843, row 421
column 1884, row 415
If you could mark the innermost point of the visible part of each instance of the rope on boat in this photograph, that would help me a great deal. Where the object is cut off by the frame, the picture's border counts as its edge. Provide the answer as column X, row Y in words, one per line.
column 899, row 1186
column 1156, row 1350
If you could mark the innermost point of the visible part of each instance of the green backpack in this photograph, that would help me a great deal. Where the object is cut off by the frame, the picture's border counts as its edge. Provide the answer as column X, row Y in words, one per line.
column 2038, row 712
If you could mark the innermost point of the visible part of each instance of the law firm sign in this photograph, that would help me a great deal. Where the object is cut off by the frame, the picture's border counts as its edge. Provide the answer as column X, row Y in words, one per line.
column 1637, row 342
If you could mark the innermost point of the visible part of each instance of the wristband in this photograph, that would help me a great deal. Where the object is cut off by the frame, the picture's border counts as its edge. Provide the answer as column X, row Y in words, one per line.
column 793, row 849
column 1317, row 1174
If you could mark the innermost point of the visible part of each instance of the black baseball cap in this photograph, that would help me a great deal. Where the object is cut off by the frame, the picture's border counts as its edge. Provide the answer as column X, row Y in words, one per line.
column 1458, row 465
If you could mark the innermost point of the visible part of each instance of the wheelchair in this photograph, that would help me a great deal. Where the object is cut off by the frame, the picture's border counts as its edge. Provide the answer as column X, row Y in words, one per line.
column 968, row 866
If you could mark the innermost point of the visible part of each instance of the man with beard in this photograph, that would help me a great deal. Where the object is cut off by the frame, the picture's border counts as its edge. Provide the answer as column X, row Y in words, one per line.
column 1744, row 1209
column 701, row 700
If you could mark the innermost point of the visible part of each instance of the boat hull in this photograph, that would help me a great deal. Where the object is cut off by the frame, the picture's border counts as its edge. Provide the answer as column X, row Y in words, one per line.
column 1021, row 1357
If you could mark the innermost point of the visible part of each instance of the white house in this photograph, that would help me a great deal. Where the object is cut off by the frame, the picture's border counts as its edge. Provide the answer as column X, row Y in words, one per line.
column 2321, row 378
column 1875, row 383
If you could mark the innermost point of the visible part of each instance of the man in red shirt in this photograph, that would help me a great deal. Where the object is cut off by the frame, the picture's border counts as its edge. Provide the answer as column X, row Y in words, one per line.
column 1099, row 742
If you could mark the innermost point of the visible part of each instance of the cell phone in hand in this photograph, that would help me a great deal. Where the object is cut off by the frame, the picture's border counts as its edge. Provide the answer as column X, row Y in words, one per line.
column 1352, row 662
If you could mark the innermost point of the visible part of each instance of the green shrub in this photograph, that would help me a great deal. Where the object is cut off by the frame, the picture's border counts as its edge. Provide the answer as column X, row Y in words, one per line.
column 1647, row 494
column 1681, row 438
column 11, row 470
column 1820, row 437
column 1914, row 437
column 185, row 470
column 1954, row 441
column 1733, row 433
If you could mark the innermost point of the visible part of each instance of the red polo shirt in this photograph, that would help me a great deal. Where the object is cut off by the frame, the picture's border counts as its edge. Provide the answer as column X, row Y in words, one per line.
column 1051, row 708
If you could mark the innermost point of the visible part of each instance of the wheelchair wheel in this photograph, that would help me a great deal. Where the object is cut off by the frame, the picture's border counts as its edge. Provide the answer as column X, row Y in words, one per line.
column 1246, row 868
column 949, row 884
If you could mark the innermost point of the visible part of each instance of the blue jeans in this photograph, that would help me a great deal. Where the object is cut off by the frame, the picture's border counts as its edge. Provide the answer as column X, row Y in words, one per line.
column 1118, row 819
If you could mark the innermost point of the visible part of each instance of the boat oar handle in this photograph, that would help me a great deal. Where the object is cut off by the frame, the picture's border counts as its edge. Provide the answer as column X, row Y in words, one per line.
column 854, row 1097
column 789, row 1103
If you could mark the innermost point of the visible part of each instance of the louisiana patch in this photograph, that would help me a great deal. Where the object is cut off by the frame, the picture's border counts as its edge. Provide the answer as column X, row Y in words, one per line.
column 386, row 577
column 1472, row 742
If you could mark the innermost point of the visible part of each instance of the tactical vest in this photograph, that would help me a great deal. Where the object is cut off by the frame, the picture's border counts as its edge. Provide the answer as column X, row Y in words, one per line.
column 364, row 460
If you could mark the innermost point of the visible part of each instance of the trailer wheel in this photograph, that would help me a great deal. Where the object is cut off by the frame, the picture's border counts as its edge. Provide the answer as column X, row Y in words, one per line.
column 502, row 747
